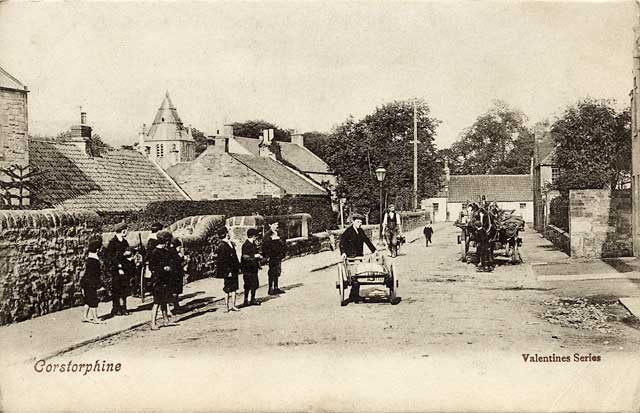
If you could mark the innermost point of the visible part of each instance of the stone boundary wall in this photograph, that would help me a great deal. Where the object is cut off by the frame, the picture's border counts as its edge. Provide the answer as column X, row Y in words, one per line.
column 42, row 255
column 600, row 223
column 559, row 238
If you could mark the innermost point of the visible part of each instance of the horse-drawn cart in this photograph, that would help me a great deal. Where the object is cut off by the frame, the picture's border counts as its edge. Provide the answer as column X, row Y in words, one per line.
column 374, row 269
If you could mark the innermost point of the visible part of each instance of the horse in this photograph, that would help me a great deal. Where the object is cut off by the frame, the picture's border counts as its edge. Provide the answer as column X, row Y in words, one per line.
column 485, row 233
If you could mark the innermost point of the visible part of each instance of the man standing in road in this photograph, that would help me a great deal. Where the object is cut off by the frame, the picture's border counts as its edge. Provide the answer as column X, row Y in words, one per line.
column 352, row 243
column 392, row 229
column 274, row 249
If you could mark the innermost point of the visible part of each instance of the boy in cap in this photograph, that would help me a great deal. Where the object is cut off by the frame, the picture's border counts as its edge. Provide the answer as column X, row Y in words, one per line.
column 352, row 243
column 115, row 261
column 250, row 265
column 162, row 265
column 274, row 249
column 228, row 268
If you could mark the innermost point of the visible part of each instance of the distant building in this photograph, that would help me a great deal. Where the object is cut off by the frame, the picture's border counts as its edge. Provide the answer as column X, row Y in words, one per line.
column 73, row 177
column 241, row 168
column 511, row 192
column 545, row 174
column 167, row 141
column 296, row 155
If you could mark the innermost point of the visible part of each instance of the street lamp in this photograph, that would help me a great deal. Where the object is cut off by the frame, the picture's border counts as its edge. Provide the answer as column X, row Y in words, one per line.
column 380, row 174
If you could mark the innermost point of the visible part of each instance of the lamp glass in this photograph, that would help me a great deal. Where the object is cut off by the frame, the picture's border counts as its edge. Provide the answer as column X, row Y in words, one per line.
column 380, row 174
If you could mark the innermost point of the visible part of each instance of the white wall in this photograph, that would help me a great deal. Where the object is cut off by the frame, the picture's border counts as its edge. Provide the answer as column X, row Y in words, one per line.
column 436, row 216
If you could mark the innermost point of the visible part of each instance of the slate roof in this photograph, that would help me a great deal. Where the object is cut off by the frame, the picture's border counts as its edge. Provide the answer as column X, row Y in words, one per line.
column 9, row 82
column 167, row 124
column 250, row 144
column 291, row 182
column 500, row 188
column 302, row 158
column 119, row 180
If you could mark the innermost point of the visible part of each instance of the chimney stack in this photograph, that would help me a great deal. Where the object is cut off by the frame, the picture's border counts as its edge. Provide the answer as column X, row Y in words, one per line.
column 83, row 118
column 81, row 135
column 227, row 131
column 298, row 139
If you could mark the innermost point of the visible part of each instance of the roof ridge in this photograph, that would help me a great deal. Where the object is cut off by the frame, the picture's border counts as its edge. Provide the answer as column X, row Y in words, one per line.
column 12, row 78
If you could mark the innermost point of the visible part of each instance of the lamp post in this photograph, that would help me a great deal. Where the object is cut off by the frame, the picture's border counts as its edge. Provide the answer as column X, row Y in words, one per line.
column 380, row 174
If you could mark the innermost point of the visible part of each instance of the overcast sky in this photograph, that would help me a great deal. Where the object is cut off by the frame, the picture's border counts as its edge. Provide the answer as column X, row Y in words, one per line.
column 307, row 65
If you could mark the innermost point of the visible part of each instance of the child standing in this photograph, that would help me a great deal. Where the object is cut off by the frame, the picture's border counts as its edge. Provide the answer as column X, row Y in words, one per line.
column 250, row 265
column 428, row 232
column 228, row 267
column 91, row 282
column 161, row 263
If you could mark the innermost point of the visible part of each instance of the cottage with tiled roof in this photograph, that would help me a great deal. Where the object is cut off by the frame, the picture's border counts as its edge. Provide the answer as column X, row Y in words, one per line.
column 511, row 192
column 230, row 169
column 296, row 155
column 73, row 177
column 167, row 141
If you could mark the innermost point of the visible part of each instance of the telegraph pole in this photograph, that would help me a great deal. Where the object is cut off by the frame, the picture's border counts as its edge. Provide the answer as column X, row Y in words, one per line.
column 415, row 156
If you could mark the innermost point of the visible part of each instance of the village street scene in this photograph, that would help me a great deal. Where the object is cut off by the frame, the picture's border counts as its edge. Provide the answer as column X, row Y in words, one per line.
column 321, row 206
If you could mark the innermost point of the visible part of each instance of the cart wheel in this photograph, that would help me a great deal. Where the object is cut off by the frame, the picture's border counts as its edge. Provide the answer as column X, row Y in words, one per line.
column 393, row 290
column 341, row 283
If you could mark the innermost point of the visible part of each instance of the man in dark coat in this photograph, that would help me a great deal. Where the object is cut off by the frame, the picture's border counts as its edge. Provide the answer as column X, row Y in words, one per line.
column 352, row 243
column 274, row 249
column 228, row 267
column 115, row 260
column 250, row 264
column 428, row 232
column 162, row 265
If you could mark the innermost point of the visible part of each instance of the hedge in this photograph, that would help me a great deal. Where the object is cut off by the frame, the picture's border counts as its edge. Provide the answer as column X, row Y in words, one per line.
column 168, row 212
column 559, row 212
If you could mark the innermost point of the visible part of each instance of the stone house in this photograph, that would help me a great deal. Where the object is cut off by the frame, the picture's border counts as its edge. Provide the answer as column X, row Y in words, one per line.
column 545, row 173
column 240, row 168
column 296, row 155
column 13, row 121
column 167, row 141
column 511, row 192
column 73, row 177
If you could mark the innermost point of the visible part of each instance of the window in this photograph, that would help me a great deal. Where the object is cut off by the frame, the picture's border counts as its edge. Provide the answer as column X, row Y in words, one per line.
column 523, row 205
column 555, row 173
column 174, row 148
column 435, row 207
column 159, row 150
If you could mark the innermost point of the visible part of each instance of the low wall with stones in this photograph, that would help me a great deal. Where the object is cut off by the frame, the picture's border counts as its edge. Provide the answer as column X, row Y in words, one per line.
column 559, row 238
column 42, row 254
column 600, row 223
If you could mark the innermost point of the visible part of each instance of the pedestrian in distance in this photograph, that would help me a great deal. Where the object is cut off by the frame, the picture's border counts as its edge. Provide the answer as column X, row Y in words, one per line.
column 352, row 243
column 91, row 282
column 228, row 267
column 428, row 232
column 115, row 263
column 274, row 250
column 162, row 265
column 250, row 265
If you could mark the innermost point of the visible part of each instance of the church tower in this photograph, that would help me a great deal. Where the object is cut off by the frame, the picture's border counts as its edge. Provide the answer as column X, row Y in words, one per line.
column 167, row 141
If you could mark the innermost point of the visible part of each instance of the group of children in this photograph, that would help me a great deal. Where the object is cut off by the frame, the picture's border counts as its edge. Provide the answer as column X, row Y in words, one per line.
column 228, row 265
column 165, row 262
column 123, row 265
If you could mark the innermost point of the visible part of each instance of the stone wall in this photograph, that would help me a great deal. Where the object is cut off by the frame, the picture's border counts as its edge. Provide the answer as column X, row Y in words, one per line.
column 41, row 258
column 559, row 238
column 600, row 223
column 13, row 128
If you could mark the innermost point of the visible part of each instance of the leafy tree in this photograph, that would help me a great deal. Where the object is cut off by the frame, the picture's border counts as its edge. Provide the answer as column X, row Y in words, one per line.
column 383, row 138
column 253, row 129
column 200, row 139
column 498, row 142
column 317, row 142
column 594, row 146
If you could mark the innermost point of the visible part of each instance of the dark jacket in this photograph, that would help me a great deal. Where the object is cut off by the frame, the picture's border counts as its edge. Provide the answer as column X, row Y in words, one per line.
column 151, row 245
column 162, row 265
column 227, row 262
column 91, row 278
column 428, row 231
column 273, row 249
column 249, row 263
column 114, row 255
column 352, row 242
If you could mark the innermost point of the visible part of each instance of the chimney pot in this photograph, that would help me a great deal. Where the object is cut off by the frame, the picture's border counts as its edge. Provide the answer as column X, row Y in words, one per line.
column 83, row 118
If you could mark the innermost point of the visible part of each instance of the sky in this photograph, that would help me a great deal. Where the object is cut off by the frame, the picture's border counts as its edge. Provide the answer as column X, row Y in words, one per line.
column 309, row 65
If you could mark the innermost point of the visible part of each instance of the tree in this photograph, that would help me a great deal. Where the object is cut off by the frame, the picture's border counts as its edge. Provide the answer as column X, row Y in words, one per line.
column 317, row 142
column 254, row 128
column 200, row 139
column 383, row 138
column 594, row 146
column 19, row 186
column 498, row 142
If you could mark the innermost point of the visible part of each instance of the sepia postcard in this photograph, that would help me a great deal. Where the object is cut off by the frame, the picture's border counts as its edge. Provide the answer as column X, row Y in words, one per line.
column 322, row 206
